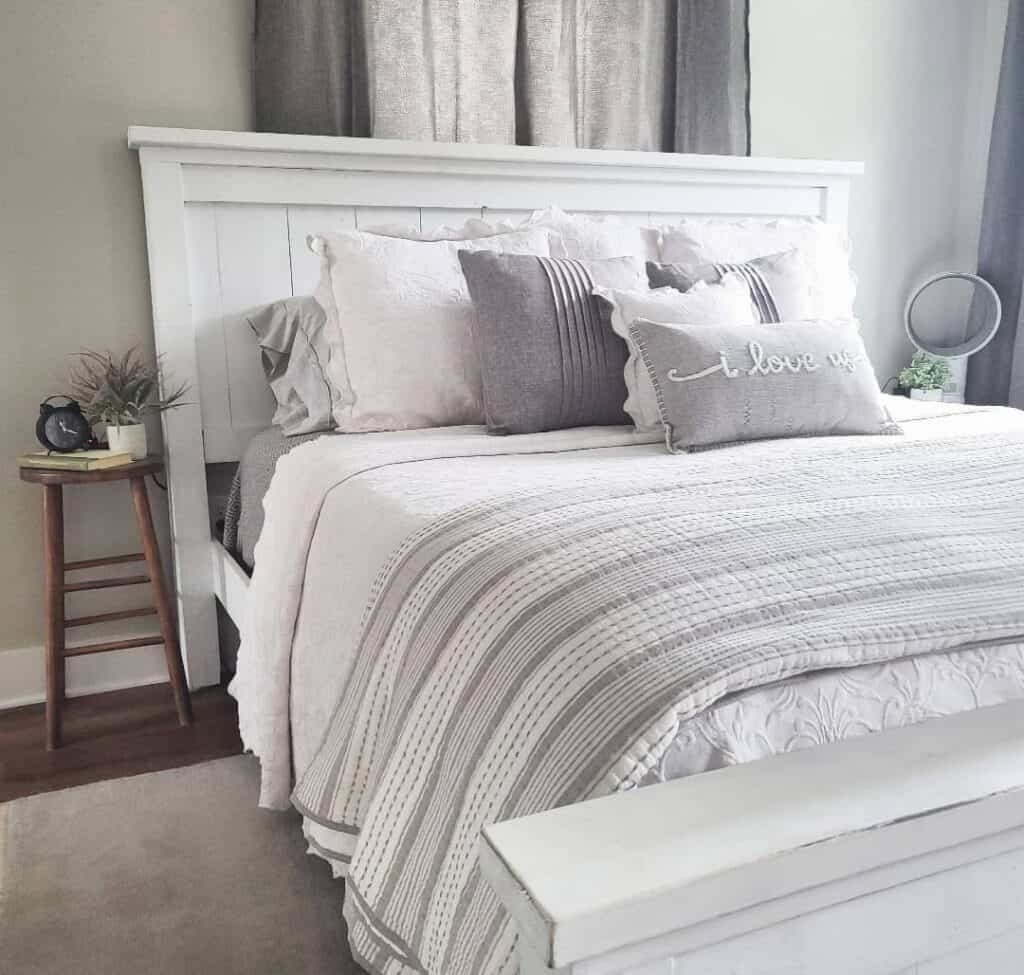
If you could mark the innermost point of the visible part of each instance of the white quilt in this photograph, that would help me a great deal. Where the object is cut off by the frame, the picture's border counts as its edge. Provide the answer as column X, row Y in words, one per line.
column 336, row 510
column 542, row 643
column 341, row 505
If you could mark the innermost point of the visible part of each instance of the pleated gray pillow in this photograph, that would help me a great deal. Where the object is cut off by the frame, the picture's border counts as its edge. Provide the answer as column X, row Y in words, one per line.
column 779, row 284
column 719, row 384
column 548, row 356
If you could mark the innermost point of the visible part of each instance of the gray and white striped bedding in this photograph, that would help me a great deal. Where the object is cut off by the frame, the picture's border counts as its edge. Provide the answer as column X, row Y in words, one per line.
column 690, row 578
column 544, row 641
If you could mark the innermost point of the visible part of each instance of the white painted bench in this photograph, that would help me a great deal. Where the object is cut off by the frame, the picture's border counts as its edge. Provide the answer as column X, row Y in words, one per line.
column 896, row 852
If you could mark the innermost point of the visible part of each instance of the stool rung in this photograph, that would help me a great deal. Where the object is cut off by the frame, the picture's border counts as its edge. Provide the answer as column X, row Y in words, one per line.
column 141, row 641
column 105, row 583
column 107, row 560
column 121, row 614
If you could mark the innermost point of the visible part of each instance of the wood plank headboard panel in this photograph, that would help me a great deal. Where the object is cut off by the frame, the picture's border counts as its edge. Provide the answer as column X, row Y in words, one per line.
column 227, row 214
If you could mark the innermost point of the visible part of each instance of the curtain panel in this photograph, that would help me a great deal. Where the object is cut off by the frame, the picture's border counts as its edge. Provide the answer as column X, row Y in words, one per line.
column 996, row 374
column 670, row 75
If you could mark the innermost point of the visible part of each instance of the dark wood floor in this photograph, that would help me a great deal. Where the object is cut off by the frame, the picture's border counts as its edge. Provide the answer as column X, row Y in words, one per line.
column 108, row 736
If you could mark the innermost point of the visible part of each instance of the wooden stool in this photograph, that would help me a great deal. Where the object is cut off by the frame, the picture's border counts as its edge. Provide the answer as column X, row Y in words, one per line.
column 56, row 624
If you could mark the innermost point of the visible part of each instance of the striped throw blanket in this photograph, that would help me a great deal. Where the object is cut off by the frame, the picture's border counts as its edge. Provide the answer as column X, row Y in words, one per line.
column 534, row 650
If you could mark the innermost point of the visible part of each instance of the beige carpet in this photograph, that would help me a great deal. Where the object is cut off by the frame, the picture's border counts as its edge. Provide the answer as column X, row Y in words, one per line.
column 174, row 872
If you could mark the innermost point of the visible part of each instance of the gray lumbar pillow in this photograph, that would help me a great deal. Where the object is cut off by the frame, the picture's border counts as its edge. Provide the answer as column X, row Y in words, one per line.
column 548, row 356
column 779, row 284
column 719, row 384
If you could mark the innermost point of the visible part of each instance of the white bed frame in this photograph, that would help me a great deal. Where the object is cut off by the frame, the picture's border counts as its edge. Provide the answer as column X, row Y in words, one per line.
column 778, row 866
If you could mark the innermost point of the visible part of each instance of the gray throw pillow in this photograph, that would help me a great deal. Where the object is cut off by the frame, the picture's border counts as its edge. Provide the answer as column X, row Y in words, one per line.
column 290, row 337
column 779, row 284
column 548, row 356
column 719, row 384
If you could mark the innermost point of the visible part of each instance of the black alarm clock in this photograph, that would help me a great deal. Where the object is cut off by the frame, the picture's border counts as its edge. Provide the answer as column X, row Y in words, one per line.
column 63, row 428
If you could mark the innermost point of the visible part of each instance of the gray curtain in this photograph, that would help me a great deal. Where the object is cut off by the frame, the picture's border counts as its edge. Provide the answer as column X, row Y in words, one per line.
column 996, row 374
column 666, row 75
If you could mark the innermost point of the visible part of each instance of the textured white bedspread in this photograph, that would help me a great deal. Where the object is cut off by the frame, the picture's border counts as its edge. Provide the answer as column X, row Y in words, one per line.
column 338, row 508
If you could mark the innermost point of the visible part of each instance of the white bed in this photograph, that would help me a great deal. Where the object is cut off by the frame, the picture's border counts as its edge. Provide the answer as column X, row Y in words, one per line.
column 225, row 215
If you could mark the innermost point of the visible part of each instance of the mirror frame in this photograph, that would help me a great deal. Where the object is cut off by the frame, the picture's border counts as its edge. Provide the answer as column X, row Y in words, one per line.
column 974, row 344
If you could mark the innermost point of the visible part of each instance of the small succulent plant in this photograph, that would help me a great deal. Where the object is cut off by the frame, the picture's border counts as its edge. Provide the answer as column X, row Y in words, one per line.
column 925, row 372
column 121, row 390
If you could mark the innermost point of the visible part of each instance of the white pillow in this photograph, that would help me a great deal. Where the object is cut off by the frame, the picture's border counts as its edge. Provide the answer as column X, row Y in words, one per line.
column 402, row 347
column 585, row 237
column 825, row 248
column 579, row 236
column 341, row 391
column 473, row 228
column 727, row 303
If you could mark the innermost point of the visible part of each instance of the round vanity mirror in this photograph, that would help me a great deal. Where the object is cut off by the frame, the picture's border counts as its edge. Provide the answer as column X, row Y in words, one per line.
column 951, row 316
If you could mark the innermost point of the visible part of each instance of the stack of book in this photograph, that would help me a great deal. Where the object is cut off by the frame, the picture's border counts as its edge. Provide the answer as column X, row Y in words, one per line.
column 78, row 460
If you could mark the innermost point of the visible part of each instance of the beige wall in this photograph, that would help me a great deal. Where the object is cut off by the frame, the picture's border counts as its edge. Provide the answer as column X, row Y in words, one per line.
column 73, row 75
column 908, row 87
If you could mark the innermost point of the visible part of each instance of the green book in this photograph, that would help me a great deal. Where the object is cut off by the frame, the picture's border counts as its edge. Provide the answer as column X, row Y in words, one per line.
column 78, row 460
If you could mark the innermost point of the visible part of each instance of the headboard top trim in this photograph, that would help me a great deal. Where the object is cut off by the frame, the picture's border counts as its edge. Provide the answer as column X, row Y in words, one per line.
column 184, row 143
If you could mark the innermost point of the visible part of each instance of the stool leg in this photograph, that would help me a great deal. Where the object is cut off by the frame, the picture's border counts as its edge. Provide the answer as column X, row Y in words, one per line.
column 175, row 670
column 53, row 549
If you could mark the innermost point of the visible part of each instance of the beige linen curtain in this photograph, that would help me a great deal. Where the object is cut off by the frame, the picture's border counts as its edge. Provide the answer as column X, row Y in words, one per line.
column 667, row 75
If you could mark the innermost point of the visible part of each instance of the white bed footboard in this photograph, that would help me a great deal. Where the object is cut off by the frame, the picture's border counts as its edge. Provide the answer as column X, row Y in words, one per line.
column 894, row 853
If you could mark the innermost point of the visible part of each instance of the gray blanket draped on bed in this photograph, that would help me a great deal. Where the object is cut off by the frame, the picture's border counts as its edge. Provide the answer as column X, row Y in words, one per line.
column 667, row 75
column 533, row 650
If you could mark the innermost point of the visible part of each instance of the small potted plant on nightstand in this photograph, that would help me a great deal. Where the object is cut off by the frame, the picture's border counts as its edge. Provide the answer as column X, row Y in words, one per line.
column 120, row 392
column 925, row 377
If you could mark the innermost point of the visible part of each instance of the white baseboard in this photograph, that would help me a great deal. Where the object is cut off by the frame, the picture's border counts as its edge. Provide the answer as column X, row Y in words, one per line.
column 23, row 674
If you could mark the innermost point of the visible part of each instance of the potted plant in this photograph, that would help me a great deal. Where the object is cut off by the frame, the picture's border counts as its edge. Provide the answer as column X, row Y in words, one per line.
column 120, row 392
column 925, row 377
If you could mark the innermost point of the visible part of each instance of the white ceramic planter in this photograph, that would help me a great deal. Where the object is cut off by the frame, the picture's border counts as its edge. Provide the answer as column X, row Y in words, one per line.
column 130, row 438
column 928, row 395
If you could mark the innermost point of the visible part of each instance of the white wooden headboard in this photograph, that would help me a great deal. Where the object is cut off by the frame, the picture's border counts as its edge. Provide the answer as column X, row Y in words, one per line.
column 227, row 214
